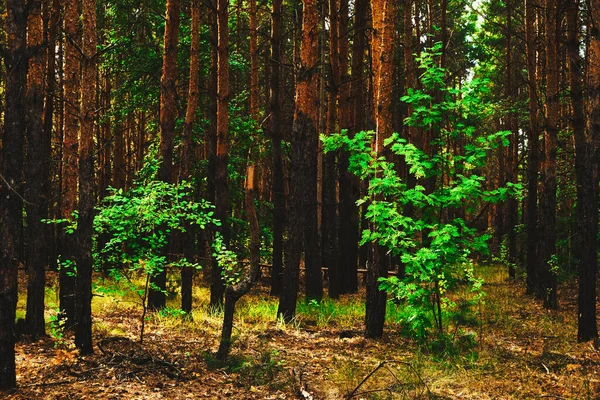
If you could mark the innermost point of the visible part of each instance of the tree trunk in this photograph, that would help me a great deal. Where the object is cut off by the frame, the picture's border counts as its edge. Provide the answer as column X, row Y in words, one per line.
column 329, row 239
column 382, row 49
column 512, row 149
column 533, row 149
column 253, row 62
column 210, row 144
column 414, row 134
column 187, row 150
column 587, row 142
column 302, row 196
column 37, row 164
column 275, row 130
column 51, row 8
column 222, row 156
column 349, row 184
column 350, row 95
column 105, row 142
column 168, row 114
column 83, row 331
column 11, row 205
column 69, row 161
column 546, row 289
column 310, row 146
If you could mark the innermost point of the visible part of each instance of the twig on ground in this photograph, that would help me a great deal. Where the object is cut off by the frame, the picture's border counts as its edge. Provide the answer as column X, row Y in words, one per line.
column 546, row 368
column 385, row 364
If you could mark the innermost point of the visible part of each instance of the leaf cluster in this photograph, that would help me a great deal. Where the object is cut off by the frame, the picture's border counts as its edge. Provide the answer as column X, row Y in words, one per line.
column 428, row 229
column 136, row 224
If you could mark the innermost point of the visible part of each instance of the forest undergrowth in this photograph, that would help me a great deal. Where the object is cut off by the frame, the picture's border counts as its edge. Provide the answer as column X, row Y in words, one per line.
column 518, row 350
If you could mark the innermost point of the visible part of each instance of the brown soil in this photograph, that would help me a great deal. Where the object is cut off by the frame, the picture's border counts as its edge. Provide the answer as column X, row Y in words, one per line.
column 525, row 352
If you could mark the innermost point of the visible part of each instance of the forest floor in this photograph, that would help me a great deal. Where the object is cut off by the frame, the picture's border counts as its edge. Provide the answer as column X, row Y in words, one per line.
column 521, row 352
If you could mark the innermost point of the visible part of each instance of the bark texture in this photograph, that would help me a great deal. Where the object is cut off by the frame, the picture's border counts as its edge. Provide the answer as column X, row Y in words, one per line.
column 253, row 61
column 547, row 285
column 302, row 199
column 168, row 114
column 382, row 48
column 329, row 231
column 349, row 184
column 187, row 149
column 533, row 148
column 587, row 142
column 275, row 130
column 217, row 288
column 37, row 164
column 11, row 184
column 512, row 93
column 71, row 87
column 83, row 331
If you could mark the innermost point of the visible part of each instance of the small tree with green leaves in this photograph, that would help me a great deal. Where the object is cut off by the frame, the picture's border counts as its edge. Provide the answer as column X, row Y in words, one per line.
column 436, row 241
column 136, row 225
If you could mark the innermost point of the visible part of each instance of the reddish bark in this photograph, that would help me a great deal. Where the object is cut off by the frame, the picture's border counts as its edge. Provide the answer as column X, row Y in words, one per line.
column 83, row 330
column 302, row 220
column 382, row 48
column 168, row 114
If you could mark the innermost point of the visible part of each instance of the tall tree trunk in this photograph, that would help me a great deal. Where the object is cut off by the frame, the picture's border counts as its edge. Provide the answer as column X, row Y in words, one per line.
column 351, row 98
column 329, row 239
column 187, row 150
column 70, row 153
column 37, row 164
column 302, row 160
column 414, row 136
column 547, row 282
column 275, row 130
column 587, row 144
column 105, row 137
column 217, row 288
column 253, row 62
column 11, row 205
column 382, row 49
column 52, row 70
column 210, row 144
column 533, row 148
column 104, row 122
column 168, row 114
column 310, row 203
column 345, row 99
column 349, row 184
column 512, row 149
column 83, row 331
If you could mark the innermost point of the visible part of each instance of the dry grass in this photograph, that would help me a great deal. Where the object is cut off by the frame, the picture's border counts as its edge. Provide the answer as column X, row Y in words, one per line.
column 521, row 352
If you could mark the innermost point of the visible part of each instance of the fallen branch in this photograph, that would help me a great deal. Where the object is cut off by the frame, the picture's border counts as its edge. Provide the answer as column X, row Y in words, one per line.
column 385, row 364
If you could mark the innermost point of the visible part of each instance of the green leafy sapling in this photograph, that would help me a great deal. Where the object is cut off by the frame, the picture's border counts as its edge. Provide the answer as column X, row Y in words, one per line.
column 136, row 225
column 436, row 240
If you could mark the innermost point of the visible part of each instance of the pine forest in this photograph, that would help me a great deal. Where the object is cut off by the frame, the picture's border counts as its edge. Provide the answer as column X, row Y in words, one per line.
column 299, row 199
